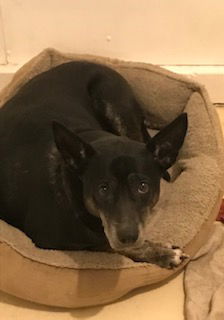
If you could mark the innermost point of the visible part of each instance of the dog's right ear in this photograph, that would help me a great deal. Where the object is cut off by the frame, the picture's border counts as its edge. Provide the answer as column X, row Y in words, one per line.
column 166, row 144
column 73, row 149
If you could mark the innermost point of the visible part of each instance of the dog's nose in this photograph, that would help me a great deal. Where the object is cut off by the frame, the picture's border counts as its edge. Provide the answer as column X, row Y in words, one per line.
column 128, row 237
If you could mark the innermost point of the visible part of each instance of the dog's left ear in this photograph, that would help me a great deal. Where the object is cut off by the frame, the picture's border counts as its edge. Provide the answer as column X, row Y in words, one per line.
column 166, row 144
column 73, row 149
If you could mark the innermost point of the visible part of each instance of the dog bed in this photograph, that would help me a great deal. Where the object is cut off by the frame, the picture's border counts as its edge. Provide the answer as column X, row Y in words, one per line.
column 183, row 216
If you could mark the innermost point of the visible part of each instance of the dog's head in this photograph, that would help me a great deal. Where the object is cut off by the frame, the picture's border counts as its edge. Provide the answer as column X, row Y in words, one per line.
column 121, row 177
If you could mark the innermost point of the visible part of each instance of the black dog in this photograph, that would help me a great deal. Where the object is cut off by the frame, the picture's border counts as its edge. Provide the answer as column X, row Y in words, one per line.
column 88, row 182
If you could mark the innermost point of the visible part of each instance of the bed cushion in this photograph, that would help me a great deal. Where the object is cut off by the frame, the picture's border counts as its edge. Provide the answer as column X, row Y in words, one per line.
column 184, row 215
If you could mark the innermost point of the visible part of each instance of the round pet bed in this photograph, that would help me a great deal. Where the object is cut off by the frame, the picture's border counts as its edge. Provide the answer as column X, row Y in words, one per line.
column 183, row 216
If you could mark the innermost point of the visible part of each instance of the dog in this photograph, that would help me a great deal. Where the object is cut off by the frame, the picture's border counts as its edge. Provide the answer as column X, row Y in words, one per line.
column 79, row 170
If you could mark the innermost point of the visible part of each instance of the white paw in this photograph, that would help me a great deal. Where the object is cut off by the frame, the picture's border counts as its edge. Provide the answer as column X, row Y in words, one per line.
column 178, row 257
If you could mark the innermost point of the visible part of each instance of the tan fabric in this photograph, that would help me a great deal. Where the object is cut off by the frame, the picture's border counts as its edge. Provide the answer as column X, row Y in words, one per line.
column 204, row 280
column 67, row 287
column 187, row 206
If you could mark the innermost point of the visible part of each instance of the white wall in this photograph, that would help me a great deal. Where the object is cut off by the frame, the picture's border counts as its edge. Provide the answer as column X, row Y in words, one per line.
column 166, row 32
column 157, row 31
column 2, row 41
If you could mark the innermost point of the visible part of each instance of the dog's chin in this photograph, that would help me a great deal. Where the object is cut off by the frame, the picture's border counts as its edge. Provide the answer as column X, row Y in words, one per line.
column 118, row 247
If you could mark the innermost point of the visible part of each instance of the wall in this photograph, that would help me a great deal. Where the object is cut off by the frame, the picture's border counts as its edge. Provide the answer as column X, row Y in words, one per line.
column 2, row 41
column 165, row 32
column 157, row 31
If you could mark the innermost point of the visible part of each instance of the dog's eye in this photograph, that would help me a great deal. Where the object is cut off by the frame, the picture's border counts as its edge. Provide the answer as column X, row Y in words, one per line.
column 143, row 187
column 103, row 189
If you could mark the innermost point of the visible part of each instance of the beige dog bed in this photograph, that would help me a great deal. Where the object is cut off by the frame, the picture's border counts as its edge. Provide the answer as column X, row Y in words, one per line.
column 183, row 216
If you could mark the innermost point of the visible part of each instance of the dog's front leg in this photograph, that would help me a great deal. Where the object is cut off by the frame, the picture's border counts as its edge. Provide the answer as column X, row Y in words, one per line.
column 163, row 256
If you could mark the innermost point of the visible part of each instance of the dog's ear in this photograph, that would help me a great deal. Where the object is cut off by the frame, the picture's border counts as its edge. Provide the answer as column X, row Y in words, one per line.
column 73, row 149
column 145, row 134
column 166, row 144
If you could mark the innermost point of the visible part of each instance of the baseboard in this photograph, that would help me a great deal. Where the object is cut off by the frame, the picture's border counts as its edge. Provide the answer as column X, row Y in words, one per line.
column 212, row 77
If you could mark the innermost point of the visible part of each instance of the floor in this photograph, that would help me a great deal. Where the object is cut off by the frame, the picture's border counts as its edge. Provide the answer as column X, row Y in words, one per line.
column 143, row 304
column 161, row 303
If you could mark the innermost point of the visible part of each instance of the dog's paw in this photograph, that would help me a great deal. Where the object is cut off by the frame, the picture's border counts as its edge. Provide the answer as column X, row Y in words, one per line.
column 169, row 245
column 165, row 256
column 177, row 258
column 170, row 258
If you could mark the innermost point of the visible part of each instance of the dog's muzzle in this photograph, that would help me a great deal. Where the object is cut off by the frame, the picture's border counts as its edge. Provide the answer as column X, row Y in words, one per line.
column 122, row 238
column 128, row 235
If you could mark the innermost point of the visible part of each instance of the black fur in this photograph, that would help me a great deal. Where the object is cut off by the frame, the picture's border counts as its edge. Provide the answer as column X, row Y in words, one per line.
column 74, row 154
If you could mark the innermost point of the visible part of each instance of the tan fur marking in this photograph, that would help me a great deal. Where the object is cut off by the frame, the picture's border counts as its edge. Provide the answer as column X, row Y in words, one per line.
column 91, row 207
